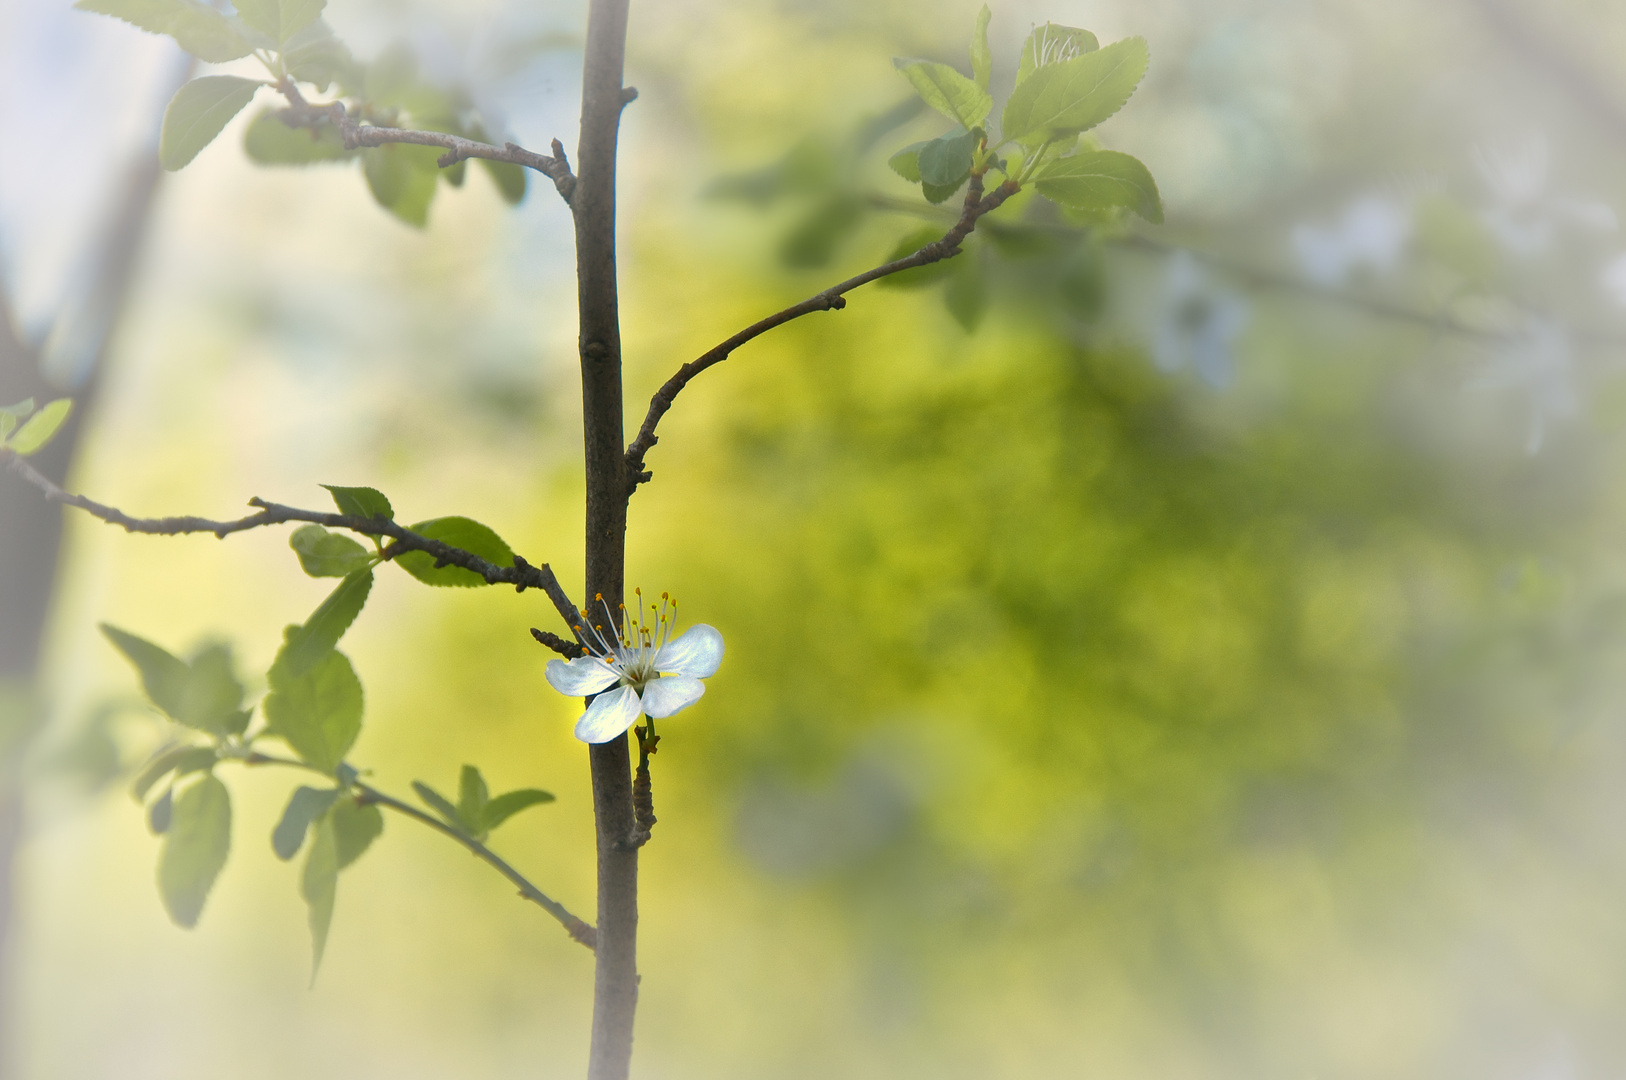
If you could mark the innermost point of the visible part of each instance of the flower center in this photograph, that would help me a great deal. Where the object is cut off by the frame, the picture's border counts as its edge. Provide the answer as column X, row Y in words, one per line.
column 630, row 649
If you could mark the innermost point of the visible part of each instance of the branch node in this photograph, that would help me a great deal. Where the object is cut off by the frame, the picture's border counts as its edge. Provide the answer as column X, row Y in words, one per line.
column 629, row 94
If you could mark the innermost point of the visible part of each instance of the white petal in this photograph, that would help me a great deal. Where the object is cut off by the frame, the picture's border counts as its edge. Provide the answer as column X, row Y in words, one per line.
column 697, row 651
column 580, row 677
column 667, row 695
column 609, row 715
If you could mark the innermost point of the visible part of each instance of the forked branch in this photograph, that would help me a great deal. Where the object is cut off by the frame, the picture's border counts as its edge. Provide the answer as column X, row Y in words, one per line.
column 831, row 299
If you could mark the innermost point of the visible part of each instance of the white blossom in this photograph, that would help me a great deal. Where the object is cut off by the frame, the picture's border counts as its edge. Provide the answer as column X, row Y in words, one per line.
column 1524, row 215
column 1538, row 363
column 653, row 673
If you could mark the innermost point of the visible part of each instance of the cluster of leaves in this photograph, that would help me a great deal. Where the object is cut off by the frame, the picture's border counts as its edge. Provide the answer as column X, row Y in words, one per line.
column 297, row 48
column 1045, row 249
column 25, row 430
column 314, row 706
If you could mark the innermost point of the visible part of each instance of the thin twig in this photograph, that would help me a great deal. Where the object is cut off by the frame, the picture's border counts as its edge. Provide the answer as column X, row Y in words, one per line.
column 522, row 575
column 558, row 644
column 578, row 930
column 301, row 113
column 831, row 299
column 643, row 793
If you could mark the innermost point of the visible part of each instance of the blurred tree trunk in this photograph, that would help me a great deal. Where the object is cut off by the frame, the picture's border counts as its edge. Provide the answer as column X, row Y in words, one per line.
column 30, row 528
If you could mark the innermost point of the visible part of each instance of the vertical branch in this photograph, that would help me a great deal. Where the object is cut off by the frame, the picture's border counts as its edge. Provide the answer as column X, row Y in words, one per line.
column 615, row 990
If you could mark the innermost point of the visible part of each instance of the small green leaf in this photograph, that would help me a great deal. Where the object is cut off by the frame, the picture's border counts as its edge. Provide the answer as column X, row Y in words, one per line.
column 510, row 180
column 946, row 161
column 325, row 554
column 459, row 532
column 355, row 827
column 319, row 885
column 196, row 27
column 967, row 294
column 1096, row 180
column 472, row 796
column 1052, row 44
column 212, row 699
column 947, row 91
column 38, row 429
column 161, row 812
column 11, row 415
column 941, row 193
column 917, row 276
column 195, row 849
column 318, row 714
column 198, row 112
column 402, row 179
column 305, row 646
column 906, row 162
column 363, row 502
column 982, row 59
column 280, row 20
column 1073, row 96
column 304, row 806
column 163, row 675
column 505, row 806
column 268, row 141
column 315, row 56
column 440, row 804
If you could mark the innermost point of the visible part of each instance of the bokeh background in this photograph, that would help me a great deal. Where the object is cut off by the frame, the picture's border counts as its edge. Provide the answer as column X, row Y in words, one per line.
column 1208, row 664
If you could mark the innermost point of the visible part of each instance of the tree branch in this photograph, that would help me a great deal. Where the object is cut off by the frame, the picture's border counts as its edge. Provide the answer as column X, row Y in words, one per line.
column 578, row 930
column 831, row 299
column 301, row 113
column 522, row 575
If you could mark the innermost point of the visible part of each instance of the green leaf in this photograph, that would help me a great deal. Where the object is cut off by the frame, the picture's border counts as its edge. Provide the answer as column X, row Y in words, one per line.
column 1096, row 180
column 196, row 27
column 402, row 179
column 946, row 161
column 318, row 714
column 1052, row 44
column 195, row 849
column 304, row 806
column 510, row 179
column 459, row 532
column 917, row 276
column 161, row 812
column 814, row 239
column 982, row 59
column 947, row 91
column 319, row 885
column 967, row 294
column 11, row 415
column 325, row 554
column 1073, row 96
column 440, row 804
column 198, row 112
column 505, row 806
column 316, row 56
column 355, row 827
column 361, row 502
column 280, row 20
column 940, row 193
column 472, row 796
column 305, row 646
column 38, row 429
column 212, row 699
column 163, row 675
column 268, row 141
column 906, row 162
